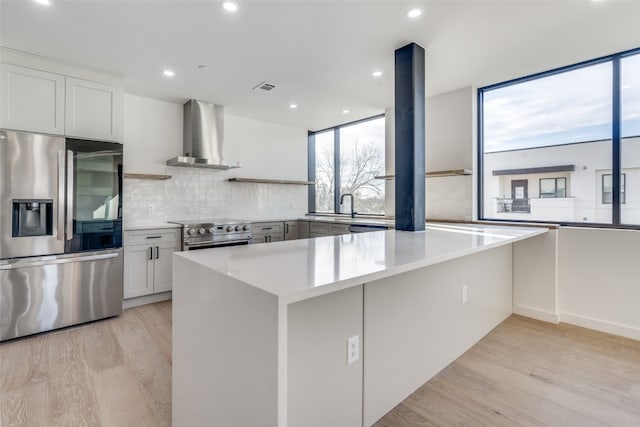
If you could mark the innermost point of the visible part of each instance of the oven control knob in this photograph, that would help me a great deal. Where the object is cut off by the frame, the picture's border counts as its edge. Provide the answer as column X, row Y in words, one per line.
column 245, row 228
column 211, row 230
column 238, row 227
column 192, row 231
column 230, row 228
column 202, row 231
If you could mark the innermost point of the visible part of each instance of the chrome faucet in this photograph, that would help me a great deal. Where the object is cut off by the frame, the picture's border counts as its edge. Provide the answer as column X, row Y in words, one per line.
column 353, row 213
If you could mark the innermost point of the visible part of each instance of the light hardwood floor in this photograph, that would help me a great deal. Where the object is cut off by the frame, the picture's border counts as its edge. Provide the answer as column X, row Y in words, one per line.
column 115, row 372
column 530, row 373
column 524, row 373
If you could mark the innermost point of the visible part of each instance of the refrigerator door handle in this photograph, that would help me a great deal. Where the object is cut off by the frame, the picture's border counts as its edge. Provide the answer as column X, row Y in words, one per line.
column 61, row 174
column 39, row 263
column 70, row 195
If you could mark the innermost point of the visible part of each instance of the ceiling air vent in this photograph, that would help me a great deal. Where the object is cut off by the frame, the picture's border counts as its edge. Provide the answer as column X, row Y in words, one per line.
column 265, row 86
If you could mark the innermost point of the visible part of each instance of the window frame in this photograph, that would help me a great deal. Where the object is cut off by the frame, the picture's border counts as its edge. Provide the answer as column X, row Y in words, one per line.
column 311, row 165
column 623, row 184
column 616, row 140
column 555, row 180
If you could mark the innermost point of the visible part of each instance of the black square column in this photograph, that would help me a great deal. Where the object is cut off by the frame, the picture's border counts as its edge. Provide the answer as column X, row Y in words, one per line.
column 410, row 138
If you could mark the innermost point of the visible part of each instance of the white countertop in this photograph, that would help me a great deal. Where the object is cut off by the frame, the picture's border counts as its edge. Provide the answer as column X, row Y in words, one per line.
column 295, row 270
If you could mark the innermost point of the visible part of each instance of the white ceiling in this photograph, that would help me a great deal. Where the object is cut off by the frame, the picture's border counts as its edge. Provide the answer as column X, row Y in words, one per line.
column 320, row 54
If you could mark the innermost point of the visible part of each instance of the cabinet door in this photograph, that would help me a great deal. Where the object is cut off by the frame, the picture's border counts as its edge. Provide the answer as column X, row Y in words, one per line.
column 303, row 229
column 276, row 237
column 259, row 238
column 163, row 253
column 291, row 230
column 31, row 100
column 93, row 110
column 138, row 271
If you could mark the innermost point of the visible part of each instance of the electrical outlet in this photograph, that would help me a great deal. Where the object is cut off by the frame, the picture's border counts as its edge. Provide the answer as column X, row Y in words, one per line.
column 353, row 349
column 464, row 294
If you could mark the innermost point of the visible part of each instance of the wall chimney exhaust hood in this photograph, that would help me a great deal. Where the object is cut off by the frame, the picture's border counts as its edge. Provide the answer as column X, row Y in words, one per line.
column 203, row 136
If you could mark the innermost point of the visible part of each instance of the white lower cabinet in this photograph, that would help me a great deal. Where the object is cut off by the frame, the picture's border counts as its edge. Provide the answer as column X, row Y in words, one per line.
column 147, row 260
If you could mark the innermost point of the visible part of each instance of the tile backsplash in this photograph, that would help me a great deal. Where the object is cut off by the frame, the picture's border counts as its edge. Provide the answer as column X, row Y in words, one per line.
column 193, row 194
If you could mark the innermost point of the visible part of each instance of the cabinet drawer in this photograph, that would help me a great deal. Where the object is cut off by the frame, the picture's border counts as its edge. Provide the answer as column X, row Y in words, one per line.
column 267, row 227
column 338, row 229
column 318, row 228
column 151, row 236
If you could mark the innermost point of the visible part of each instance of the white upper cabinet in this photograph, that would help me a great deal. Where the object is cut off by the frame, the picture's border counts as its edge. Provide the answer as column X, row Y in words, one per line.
column 42, row 95
column 93, row 110
column 31, row 100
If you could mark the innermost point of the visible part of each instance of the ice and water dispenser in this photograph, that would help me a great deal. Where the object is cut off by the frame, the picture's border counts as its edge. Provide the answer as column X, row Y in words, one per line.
column 32, row 217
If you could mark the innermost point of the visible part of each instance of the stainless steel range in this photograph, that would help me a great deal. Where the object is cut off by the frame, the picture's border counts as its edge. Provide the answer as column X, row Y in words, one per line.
column 214, row 233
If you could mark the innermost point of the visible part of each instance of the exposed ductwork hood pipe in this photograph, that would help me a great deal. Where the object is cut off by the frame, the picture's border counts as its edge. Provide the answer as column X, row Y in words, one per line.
column 203, row 137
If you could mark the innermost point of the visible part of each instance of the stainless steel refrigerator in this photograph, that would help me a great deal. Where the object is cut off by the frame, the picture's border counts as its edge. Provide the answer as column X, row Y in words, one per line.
column 60, row 232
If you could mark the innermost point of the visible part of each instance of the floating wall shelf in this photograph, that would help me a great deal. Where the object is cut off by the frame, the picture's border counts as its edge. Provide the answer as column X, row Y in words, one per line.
column 271, row 181
column 146, row 176
column 435, row 174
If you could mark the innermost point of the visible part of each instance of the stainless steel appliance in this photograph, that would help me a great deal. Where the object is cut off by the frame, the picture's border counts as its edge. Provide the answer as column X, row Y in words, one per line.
column 202, row 137
column 60, row 232
column 214, row 233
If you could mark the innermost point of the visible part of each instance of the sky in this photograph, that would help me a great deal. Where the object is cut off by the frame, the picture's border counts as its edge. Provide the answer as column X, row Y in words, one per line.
column 569, row 107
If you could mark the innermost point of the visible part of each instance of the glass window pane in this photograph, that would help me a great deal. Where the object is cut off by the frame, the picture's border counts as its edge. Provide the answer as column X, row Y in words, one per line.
column 548, row 187
column 560, row 120
column 630, row 148
column 361, row 160
column 561, row 185
column 325, row 171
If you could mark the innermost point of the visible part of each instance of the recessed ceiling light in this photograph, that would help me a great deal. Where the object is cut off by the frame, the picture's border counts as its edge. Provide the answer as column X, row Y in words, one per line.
column 414, row 13
column 377, row 74
column 168, row 73
column 293, row 106
column 44, row 2
column 229, row 6
column 345, row 111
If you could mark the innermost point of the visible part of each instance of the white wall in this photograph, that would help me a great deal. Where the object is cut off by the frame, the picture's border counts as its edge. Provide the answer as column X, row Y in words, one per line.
column 598, row 279
column 449, row 121
column 449, row 145
column 153, row 134
column 535, row 277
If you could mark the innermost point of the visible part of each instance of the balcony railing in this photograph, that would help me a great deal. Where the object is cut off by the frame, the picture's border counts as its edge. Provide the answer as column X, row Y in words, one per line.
column 513, row 205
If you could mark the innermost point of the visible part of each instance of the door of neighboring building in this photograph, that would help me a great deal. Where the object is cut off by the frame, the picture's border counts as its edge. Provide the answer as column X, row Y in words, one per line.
column 520, row 195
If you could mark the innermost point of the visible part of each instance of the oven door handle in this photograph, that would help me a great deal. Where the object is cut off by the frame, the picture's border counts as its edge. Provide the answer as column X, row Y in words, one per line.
column 188, row 246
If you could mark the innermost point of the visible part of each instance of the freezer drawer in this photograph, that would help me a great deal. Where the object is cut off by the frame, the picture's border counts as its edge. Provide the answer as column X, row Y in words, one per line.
column 43, row 293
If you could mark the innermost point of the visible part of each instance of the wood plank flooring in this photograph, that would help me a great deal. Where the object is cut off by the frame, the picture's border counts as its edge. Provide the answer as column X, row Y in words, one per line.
column 530, row 373
column 524, row 373
column 115, row 372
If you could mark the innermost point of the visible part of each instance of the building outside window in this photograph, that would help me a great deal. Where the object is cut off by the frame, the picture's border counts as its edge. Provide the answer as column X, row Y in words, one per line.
column 607, row 189
column 553, row 187
column 547, row 145
column 360, row 148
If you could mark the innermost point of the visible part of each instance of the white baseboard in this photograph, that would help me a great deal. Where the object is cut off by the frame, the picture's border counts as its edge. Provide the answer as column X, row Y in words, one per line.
column 535, row 313
column 147, row 299
column 601, row 325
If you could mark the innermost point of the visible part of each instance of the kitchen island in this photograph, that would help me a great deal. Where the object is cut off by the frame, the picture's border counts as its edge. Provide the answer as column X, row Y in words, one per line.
column 262, row 333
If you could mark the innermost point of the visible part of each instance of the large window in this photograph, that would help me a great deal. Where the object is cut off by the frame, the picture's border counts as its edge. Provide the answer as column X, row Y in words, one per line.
column 345, row 160
column 572, row 123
